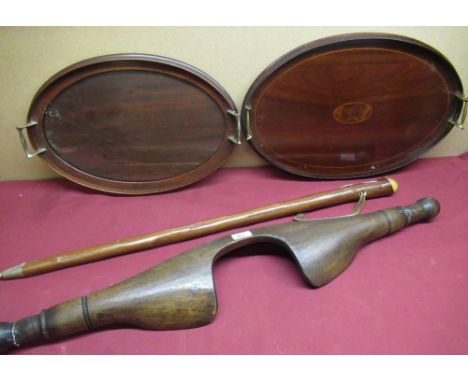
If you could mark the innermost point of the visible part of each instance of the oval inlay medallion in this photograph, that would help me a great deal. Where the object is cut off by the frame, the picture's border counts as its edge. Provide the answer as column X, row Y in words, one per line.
column 352, row 112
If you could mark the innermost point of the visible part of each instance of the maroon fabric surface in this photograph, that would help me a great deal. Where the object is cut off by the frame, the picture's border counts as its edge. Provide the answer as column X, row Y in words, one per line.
column 407, row 293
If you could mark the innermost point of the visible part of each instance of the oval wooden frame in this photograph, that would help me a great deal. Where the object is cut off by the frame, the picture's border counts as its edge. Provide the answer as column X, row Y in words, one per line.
column 357, row 40
column 90, row 67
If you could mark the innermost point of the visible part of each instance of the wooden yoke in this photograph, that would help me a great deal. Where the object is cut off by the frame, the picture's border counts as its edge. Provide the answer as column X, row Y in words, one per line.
column 179, row 293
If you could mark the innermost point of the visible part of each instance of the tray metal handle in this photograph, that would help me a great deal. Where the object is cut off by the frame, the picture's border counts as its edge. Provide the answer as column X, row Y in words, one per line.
column 236, row 138
column 461, row 119
column 24, row 144
column 248, row 129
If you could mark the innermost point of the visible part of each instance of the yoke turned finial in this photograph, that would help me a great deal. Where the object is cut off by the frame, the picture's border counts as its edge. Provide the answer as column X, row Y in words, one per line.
column 431, row 206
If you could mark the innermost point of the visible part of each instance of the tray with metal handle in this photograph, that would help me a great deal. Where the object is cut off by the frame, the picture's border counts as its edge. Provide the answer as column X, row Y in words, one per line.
column 131, row 123
column 353, row 106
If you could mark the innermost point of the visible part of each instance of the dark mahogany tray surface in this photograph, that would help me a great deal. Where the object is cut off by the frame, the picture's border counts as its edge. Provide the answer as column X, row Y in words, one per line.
column 132, row 123
column 352, row 105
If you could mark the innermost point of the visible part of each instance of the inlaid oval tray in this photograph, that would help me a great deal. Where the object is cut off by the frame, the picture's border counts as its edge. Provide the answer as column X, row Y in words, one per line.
column 132, row 123
column 352, row 105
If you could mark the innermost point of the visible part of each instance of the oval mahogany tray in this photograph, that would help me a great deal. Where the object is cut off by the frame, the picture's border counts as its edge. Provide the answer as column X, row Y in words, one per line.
column 352, row 106
column 132, row 123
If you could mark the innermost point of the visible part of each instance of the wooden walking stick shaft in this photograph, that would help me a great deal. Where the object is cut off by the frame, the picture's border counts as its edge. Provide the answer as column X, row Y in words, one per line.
column 349, row 193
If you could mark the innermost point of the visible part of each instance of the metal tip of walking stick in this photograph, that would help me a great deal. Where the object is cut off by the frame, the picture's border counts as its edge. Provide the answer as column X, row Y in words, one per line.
column 12, row 273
